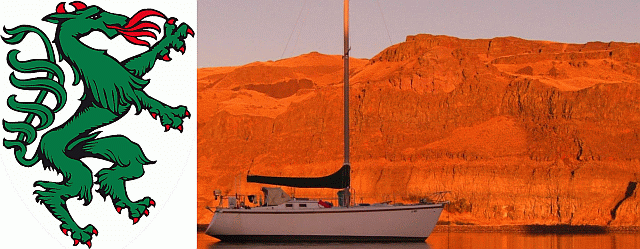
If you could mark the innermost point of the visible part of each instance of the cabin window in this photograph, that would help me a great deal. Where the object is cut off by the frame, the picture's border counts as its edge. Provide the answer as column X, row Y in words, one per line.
column 303, row 205
column 288, row 205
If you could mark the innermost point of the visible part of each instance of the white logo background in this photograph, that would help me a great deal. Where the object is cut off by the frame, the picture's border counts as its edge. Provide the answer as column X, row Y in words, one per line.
column 171, row 182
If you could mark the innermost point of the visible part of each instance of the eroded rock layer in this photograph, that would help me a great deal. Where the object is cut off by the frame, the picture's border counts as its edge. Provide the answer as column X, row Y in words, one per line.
column 520, row 132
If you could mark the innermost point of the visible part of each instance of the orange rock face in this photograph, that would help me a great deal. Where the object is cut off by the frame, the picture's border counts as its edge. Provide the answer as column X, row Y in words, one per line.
column 520, row 132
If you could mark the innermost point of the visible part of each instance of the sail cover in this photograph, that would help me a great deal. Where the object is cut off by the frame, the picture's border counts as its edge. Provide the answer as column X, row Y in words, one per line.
column 338, row 180
column 274, row 196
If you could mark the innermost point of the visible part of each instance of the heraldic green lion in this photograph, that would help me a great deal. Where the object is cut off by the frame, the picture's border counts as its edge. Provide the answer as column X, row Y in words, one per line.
column 111, row 89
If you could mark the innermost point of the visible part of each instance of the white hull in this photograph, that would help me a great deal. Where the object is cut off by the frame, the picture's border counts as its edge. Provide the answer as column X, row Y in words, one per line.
column 362, row 223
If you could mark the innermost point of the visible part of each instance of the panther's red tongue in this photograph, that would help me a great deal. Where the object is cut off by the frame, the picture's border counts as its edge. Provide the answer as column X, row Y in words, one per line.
column 135, row 27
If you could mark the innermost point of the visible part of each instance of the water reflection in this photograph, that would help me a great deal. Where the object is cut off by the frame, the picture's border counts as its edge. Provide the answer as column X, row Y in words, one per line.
column 207, row 242
column 528, row 241
column 464, row 240
column 325, row 245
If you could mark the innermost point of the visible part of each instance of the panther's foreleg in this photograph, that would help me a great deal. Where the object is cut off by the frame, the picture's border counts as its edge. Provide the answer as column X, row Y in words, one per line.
column 128, row 160
column 139, row 65
column 170, row 117
column 173, row 38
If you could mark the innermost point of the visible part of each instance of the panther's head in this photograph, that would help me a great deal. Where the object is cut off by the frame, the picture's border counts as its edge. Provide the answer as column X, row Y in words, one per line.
column 84, row 20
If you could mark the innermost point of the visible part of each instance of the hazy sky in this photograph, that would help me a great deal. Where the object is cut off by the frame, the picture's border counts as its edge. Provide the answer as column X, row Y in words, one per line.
column 235, row 33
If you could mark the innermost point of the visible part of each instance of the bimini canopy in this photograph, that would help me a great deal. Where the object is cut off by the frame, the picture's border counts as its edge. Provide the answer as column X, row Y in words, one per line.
column 338, row 180
column 275, row 196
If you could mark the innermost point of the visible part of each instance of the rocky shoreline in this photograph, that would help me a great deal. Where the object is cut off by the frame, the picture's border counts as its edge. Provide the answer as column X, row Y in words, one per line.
column 536, row 229
column 528, row 229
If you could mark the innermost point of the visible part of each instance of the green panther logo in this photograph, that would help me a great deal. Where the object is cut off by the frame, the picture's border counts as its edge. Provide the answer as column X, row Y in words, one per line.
column 111, row 88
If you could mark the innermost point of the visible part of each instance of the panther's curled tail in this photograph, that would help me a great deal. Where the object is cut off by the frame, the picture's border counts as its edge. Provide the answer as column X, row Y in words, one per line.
column 52, row 83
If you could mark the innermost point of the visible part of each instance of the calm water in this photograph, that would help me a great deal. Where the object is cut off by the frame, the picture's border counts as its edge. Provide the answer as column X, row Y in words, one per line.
column 466, row 240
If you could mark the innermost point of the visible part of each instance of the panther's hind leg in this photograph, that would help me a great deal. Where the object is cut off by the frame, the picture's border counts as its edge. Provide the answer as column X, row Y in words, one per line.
column 76, row 182
column 128, row 160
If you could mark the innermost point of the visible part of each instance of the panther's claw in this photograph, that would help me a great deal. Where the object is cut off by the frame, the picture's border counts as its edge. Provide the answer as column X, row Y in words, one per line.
column 64, row 230
column 89, row 243
column 180, row 128
column 166, row 128
column 187, row 114
column 151, row 202
column 135, row 220
column 119, row 209
column 95, row 231
column 182, row 49
column 75, row 242
column 146, row 212
column 166, row 57
column 154, row 115
column 190, row 31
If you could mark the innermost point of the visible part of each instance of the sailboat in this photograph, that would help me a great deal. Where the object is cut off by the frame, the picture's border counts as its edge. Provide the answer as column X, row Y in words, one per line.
column 282, row 218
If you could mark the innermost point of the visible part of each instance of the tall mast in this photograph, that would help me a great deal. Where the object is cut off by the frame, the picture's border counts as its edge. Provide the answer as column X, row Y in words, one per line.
column 346, row 82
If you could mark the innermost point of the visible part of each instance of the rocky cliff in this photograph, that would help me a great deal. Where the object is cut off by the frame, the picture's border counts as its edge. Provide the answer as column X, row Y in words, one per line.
column 520, row 132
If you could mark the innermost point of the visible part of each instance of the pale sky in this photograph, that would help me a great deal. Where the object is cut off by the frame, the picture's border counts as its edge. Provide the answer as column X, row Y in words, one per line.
column 239, row 32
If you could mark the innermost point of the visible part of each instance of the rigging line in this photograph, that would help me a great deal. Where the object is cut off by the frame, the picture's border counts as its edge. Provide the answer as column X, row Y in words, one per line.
column 293, row 50
column 294, row 28
column 385, row 22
